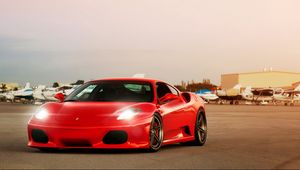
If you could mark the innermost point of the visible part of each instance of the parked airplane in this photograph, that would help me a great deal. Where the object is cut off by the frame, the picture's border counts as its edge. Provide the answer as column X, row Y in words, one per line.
column 233, row 95
column 43, row 94
column 259, row 96
column 207, row 95
column 67, row 89
column 25, row 94
column 289, row 97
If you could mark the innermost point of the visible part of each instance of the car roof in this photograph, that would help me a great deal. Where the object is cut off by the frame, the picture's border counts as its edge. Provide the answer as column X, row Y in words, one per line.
column 128, row 79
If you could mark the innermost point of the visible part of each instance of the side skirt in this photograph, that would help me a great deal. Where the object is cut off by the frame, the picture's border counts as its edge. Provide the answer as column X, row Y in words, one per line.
column 178, row 140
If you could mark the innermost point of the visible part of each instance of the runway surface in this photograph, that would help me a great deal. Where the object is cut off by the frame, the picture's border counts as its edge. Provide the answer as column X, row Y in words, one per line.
column 240, row 137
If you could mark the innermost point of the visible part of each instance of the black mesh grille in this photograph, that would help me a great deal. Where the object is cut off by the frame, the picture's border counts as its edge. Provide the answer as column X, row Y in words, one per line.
column 76, row 143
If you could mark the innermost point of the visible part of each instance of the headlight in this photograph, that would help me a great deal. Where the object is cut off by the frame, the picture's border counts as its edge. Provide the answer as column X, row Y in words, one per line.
column 128, row 114
column 42, row 114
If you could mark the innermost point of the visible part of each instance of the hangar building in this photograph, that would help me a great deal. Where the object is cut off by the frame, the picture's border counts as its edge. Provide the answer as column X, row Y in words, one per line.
column 260, row 79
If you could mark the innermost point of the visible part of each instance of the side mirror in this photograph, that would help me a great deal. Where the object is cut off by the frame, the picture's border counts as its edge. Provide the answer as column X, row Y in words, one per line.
column 168, row 97
column 60, row 97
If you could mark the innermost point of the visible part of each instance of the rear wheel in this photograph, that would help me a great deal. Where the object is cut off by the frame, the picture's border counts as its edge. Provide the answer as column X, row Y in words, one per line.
column 200, row 129
column 156, row 133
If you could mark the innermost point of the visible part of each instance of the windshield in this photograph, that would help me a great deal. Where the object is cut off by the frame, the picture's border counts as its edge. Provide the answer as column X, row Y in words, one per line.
column 113, row 91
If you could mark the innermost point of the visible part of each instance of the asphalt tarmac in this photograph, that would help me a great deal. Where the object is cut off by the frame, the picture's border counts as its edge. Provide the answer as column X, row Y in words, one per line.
column 240, row 137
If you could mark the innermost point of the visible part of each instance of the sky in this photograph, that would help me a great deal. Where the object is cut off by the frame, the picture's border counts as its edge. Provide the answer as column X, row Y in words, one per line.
column 173, row 40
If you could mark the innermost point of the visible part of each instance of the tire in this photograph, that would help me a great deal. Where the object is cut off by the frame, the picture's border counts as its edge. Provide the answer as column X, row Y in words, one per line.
column 200, row 129
column 156, row 134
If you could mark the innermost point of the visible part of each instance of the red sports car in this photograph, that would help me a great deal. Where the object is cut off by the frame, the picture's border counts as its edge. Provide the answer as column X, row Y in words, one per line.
column 120, row 113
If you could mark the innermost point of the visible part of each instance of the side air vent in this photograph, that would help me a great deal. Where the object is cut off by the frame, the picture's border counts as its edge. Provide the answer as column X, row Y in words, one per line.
column 187, row 130
column 186, row 96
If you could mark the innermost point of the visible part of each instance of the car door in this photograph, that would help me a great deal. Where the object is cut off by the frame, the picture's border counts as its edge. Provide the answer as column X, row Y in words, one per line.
column 171, row 110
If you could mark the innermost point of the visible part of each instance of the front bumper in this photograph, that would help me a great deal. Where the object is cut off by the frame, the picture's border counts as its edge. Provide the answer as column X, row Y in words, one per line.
column 89, row 137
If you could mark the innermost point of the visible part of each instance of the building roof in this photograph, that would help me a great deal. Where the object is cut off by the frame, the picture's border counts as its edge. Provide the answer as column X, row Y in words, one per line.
column 262, row 72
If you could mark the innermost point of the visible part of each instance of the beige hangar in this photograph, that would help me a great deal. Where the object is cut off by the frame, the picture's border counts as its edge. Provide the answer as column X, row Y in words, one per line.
column 260, row 79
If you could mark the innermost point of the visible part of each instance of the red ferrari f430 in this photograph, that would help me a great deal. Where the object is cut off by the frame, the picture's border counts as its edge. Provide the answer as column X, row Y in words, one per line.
column 119, row 113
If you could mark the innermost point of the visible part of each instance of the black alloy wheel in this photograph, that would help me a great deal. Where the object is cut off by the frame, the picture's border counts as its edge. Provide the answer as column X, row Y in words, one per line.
column 156, row 133
column 201, row 129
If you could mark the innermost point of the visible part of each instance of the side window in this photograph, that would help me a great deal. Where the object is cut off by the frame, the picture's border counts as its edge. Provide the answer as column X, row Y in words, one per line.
column 173, row 90
column 162, row 89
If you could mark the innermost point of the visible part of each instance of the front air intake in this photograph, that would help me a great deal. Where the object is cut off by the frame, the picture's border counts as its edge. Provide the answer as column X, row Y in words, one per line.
column 39, row 136
column 115, row 137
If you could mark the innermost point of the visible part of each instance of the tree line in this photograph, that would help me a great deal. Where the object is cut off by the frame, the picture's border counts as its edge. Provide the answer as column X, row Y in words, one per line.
column 196, row 86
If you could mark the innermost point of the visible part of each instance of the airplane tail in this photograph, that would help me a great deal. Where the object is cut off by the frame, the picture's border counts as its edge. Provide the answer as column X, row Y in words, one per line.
column 139, row 76
column 27, row 86
column 237, row 87
column 248, row 89
column 297, row 88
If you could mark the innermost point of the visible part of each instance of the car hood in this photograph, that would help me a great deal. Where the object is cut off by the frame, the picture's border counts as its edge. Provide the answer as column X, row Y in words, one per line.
column 93, row 113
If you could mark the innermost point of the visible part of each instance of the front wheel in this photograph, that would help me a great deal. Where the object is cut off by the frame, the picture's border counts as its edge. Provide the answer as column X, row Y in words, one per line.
column 156, row 133
column 200, row 129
